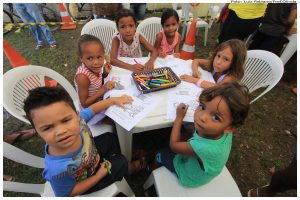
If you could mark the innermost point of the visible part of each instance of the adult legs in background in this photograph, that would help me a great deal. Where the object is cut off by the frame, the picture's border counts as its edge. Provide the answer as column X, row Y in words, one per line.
column 281, row 180
column 30, row 12
column 138, row 9
column 235, row 27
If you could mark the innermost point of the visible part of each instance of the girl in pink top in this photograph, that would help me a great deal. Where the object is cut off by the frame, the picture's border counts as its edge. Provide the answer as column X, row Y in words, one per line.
column 127, row 43
column 167, row 41
column 89, row 77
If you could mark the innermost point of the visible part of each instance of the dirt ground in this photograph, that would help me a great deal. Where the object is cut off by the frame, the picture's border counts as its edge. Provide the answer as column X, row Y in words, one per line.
column 267, row 140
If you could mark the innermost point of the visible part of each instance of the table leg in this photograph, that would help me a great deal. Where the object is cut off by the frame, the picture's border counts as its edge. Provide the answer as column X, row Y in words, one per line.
column 125, row 140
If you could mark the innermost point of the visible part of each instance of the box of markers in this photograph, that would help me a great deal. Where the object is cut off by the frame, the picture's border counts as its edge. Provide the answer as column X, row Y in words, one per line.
column 155, row 79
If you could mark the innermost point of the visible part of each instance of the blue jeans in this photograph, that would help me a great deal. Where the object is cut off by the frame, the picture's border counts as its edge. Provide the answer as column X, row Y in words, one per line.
column 138, row 9
column 30, row 12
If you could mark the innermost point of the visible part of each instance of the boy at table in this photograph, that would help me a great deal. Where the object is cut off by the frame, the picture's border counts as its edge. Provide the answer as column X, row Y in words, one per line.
column 74, row 160
column 197, row 161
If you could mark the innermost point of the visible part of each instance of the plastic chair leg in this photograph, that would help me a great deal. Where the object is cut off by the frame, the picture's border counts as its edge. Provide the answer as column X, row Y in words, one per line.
column 149, row 182
column 125, row 188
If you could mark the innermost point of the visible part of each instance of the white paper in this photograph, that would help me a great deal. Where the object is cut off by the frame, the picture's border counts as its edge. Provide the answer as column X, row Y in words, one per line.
column 129, row 116
column 187, row 93
column 127, row 81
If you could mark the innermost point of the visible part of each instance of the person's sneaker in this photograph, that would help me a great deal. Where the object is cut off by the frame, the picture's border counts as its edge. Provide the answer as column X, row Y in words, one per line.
column 38, row 47
column 52, row 46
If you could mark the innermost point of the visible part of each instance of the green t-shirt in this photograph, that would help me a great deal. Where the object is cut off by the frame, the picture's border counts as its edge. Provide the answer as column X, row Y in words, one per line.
column 212, row 157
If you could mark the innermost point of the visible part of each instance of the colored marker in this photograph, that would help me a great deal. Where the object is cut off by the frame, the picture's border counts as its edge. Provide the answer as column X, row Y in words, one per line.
column 107, row 166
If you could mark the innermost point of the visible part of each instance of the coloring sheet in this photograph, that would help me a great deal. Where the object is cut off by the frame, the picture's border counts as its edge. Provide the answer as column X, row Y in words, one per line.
column 129, row 116
column 187, row 93
column 126, row 81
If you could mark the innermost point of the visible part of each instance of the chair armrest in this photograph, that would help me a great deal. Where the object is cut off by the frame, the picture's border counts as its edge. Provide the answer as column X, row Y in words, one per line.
column 23, row 187
column 13, row 153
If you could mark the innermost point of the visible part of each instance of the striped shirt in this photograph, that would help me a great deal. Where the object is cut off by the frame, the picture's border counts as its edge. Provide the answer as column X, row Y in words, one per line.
column 95, row 81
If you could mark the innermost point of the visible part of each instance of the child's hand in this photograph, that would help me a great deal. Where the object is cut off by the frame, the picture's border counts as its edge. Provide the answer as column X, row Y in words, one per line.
column 181, row 110
column 137, row 67
column 196, row 74
column 107, row 68
column 162, row 54
column 125, row 99
column 109, row 85
column 189, row 78
column 176, row 55
column 103, row 171
column 149, row 65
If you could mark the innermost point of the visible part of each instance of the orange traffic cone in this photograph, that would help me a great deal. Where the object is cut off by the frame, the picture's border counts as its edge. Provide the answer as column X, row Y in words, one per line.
column 16, row 60
column 188, row 48
column 65, row 18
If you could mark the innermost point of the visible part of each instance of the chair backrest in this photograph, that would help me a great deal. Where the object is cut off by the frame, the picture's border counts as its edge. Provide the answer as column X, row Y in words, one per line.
column 149, row 28
column 18, row 81
column 104, row 29
column 262, row 69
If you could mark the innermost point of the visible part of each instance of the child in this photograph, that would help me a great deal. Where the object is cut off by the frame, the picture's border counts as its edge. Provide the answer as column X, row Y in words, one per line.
column 201, row 158
column 89, row 78
column 226, row 64
column 72, row 160
column 127, row 43
column 167, row 41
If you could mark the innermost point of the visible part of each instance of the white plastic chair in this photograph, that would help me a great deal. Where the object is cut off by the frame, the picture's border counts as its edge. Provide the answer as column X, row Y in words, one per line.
column 104, row 29
column 290, row 48
column 149, row 28
column 167, row 185
column 262, row 69
column 18, row 81
column 13, row 153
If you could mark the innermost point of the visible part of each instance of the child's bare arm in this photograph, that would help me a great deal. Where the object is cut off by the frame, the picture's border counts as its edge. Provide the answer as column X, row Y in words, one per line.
column 158, row 40
column 116, row 62
column 83, row 85
column 227, row 79
column 175, row 144
column 120, row 101
column 177, row 49
column 157, row 43
column 86, row 184
column 150, row 48
column 199, row 62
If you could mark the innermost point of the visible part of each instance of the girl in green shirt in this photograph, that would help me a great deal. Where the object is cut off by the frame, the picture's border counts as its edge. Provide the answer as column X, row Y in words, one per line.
column 201, row 158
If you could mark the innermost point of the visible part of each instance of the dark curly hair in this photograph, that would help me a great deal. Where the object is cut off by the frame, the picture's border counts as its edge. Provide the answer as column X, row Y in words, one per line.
column 235, row 95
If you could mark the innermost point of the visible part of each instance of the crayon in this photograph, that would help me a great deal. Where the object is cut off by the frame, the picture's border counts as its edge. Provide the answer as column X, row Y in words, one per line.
column 107, row 166
column 167, row 84
column 154, row 84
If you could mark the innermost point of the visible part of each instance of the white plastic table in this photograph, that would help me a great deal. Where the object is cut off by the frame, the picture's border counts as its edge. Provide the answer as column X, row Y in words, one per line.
column 156, row 119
